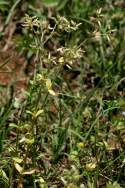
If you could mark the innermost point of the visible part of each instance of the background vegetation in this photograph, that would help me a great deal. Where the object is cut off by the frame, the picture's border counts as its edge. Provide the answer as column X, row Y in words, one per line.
column 62, row 105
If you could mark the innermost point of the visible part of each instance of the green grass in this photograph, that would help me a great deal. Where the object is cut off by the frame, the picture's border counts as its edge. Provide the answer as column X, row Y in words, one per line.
column 67, row 128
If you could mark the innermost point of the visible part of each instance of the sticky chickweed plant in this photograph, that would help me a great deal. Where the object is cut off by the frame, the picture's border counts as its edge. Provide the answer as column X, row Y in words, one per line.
column 67, row 128
column 42, row 132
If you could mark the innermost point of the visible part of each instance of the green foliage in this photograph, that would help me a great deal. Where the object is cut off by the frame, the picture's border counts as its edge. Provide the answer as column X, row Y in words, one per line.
column 4, row 6
column 113, row 185
column 67, row 128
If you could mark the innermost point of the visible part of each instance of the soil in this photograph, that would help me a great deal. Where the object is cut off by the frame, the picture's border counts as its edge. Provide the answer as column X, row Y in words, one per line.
column 12, row 69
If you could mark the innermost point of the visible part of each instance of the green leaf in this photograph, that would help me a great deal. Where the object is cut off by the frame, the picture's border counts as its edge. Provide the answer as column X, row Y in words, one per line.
column 62, row 4
column 112, row 185
column 18, row 168
column 13, row 125
column 4, row 177
column 50, row 3
column 17, row 160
